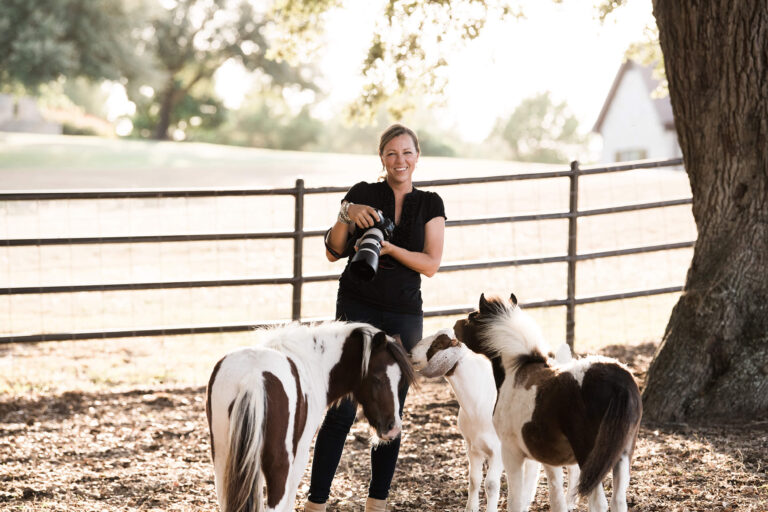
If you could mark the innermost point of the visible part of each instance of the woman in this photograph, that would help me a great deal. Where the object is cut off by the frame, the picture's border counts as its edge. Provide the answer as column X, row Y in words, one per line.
column 391, row 301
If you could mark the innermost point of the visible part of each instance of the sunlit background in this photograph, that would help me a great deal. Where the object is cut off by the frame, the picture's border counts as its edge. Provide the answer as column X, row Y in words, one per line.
column 527, row 95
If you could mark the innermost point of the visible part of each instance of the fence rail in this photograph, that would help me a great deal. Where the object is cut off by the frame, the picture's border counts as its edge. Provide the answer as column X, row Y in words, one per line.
column 297, row 279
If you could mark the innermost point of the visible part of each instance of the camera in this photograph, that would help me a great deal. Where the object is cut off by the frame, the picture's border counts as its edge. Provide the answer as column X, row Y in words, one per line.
column 365, row 262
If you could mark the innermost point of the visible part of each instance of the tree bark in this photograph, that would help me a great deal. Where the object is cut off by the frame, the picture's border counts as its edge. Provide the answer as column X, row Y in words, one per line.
column 712, row 364
column 169, row 100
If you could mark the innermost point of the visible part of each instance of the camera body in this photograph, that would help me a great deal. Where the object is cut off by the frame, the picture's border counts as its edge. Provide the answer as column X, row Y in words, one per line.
column 365, row 262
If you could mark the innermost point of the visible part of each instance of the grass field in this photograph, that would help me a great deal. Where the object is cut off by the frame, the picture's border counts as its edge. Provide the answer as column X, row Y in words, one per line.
column 158, row 165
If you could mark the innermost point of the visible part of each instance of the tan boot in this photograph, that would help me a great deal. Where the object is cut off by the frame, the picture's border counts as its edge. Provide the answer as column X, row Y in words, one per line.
column 314, row 507
column 374, row 505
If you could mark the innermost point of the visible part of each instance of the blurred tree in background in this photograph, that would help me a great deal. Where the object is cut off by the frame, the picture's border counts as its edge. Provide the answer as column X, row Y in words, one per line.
column 166, row 54
column 42, row 41
column 409, row 48
column 265, row 120
column 187, row 41
column 541, row 131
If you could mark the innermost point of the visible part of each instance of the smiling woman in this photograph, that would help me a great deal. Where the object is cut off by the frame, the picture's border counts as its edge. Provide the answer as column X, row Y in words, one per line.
column 389, row 297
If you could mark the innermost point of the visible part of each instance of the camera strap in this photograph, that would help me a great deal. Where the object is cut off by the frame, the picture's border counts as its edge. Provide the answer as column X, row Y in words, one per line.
column 348, row 249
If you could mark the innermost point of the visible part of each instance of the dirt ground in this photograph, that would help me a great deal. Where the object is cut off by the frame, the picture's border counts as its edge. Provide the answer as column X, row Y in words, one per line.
column 147, row 449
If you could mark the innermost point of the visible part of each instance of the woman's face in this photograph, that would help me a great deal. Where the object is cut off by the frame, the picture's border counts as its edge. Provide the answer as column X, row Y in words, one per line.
column 399, row 159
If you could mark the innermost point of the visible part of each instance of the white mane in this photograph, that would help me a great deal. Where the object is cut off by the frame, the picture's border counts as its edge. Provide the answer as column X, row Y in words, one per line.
column 511, row 331
column 300, row 339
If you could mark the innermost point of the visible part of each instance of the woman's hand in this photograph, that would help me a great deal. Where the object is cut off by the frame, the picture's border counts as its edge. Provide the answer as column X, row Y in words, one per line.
column 426, row 262
column 362, row 215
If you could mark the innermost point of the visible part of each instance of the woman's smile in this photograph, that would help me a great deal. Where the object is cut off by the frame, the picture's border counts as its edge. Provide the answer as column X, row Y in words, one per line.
column 399, row 158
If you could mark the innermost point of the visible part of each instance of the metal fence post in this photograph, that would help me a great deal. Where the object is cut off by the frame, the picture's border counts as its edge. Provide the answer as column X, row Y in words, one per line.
column 573, row 208
column 298, row 249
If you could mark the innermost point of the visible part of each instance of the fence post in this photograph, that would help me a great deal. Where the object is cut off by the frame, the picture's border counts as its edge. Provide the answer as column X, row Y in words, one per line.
column 573, row 208
column 298, row 249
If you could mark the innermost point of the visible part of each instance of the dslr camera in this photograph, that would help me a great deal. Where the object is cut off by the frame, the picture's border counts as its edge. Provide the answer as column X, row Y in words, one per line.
column 365, row 262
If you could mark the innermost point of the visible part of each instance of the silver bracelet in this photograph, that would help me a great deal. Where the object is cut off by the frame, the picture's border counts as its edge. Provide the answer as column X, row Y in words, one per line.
column 344, row 213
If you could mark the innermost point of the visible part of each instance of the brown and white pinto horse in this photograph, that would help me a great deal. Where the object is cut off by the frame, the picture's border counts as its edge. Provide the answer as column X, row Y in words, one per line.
column 586, row 411
column 266, row 402
column 469, row 375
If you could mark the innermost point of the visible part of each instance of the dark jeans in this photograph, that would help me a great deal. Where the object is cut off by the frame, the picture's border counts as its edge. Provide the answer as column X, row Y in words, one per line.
column 339, row 419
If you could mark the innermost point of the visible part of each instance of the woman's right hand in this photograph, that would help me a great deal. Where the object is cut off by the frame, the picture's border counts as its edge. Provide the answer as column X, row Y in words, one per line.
column 362, row 215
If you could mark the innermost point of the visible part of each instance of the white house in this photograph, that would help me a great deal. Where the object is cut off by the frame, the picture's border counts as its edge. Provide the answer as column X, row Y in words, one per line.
column 23, row 115
column 633, row 124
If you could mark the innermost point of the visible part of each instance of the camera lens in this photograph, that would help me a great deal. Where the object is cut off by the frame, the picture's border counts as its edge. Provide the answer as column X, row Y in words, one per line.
column 365, row 262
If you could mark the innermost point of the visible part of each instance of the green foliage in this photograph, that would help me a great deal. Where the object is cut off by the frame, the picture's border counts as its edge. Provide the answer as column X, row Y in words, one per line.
column 201, row 111
column 41, row 41
column 409, row 47
column 73, row 129
column 264, row 121
column 433, row 145
column 606, row 7
column 188, row 42
column 296, row 26
column 648, row 53
column 541, row 131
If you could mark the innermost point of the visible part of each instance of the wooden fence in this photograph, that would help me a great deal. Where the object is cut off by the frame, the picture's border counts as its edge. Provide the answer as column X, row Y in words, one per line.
column 298, row 234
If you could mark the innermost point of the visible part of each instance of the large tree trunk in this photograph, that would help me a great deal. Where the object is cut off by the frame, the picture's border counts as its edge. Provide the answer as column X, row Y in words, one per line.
column 713, row 361
column 170, row 97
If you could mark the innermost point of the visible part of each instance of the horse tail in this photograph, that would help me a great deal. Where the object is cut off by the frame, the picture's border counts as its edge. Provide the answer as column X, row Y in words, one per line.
column 246, row 439
column 619, row 423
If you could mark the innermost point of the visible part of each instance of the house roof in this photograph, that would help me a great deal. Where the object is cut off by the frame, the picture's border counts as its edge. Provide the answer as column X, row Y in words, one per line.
column 662, row 105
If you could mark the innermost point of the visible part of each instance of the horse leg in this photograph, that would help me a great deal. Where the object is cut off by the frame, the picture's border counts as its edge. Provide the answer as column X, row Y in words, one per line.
column 530, row 479
column 260, row 494
column 476, row 458
column 555, row 486
column 620, row 484
column 493, row 478
column 597, row 501
column 299, row 465
column 219, row 464
column 572, row 496
column 513, row 465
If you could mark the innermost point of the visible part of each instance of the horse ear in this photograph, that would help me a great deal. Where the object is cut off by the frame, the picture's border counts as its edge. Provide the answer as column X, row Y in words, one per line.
column 483, row 303
column 379, row 340
column 513, row 299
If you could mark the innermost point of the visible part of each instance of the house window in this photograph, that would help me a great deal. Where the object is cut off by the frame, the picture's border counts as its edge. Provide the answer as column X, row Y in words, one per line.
column 631, row 154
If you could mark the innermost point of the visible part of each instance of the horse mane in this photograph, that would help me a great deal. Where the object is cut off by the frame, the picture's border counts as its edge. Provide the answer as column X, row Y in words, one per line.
column 294, row 338
column 400, row 355
column 507, row 330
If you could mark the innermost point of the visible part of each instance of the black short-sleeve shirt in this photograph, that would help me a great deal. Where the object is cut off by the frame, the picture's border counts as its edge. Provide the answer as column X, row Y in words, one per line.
column 396, row 287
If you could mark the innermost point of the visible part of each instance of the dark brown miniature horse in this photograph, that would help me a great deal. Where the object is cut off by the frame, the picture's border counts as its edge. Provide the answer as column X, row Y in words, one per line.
column 586, row 411
column 266, row 402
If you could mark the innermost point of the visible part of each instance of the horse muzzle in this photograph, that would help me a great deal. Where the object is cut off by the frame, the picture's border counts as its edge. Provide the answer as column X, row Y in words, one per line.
column 390, row 434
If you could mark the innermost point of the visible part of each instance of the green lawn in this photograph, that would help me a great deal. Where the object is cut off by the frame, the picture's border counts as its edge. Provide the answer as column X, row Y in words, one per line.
column 31, row 161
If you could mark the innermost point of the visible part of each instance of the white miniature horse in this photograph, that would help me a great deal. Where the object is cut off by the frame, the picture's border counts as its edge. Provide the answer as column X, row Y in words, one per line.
column 266, row 402
column 471, row 378
column 586, row 411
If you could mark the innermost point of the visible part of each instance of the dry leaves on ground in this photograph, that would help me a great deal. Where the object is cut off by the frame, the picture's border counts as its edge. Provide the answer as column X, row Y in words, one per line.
column 147, row 449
